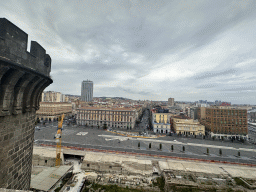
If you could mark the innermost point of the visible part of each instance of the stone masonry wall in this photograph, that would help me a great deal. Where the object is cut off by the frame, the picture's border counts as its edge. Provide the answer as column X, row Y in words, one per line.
column 16, row 146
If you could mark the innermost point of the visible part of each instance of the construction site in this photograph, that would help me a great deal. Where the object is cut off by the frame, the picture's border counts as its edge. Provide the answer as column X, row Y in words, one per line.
column 134, row 171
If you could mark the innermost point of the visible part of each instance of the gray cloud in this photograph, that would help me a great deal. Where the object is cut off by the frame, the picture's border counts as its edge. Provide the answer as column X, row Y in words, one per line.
column 209, row 74
column 188, row 50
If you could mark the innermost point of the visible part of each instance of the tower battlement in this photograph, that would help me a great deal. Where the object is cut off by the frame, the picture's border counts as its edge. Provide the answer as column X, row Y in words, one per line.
column 13, row 47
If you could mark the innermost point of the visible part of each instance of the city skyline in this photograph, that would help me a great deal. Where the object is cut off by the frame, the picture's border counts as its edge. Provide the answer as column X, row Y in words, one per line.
column 147, row 50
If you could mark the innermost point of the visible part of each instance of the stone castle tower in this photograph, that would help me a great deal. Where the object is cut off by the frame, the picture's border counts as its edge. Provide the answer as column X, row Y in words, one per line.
column 23, row 77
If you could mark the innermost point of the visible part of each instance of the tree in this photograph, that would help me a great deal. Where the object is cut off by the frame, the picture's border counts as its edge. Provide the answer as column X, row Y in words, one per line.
column 238, row 153
column 149, row 146
column 139, row 145
column 207, row 151
column 160, row 146
column 172, row 147
column 220, row 151
column 183, row 148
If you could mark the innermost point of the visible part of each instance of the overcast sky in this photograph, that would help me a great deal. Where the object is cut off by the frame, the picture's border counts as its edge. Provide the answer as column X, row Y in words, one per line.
column 146, row 49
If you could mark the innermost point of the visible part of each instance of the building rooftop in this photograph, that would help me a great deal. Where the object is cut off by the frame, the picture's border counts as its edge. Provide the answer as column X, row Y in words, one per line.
column 44, row 178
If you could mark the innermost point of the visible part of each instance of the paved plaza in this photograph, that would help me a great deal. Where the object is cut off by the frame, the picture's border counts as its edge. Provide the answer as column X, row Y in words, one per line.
column 89, row 137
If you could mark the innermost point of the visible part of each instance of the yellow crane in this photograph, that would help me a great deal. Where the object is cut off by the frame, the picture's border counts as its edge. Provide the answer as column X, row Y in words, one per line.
column 58, row 140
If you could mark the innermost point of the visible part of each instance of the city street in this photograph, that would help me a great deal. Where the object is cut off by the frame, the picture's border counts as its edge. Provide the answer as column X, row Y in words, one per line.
column 194, row 148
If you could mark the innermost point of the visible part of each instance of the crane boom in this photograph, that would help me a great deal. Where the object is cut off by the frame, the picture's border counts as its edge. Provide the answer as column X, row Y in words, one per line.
column 58, row 140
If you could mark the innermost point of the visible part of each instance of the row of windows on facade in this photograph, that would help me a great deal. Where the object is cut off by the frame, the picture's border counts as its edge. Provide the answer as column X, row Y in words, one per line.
column 56, row 110
column 163, row 116
column 107, row 112
column 188, row 133
column 227, row 119
column 230, row 131
column 47, row 110
column 119, row 125
column 166, row 122
column 129, row 120
column 224, row 122
column 188, row 128
column 229, row 128
column 162, row 126
column 103, row 118
column 107, row 122
column 225, row 113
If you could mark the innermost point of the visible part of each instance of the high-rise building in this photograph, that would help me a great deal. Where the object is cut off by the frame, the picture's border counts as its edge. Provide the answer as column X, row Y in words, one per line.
column 87, row 91
column 171, row 101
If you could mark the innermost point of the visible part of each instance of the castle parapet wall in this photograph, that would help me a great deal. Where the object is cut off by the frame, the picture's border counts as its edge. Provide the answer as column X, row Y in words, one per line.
column 13, row 47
